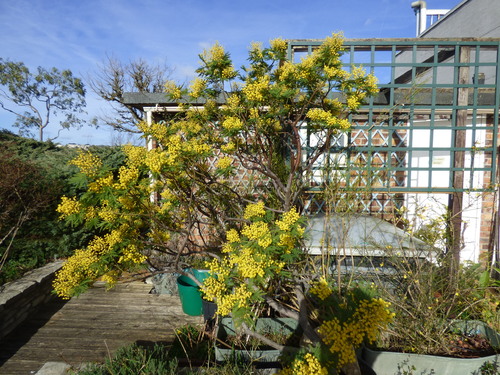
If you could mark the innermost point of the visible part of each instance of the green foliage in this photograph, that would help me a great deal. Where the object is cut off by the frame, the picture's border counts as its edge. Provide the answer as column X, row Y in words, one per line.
column 426, row 303
column 35, row 97
column 160, row 360
column 489, row 368
column 135, row 360
column 33, row 177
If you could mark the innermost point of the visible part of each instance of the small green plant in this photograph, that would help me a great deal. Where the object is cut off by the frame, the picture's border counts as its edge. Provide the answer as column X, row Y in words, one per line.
column 191, row 345
column 404, row 368
column 158, row 360
column 489, row 368
column 135, row 360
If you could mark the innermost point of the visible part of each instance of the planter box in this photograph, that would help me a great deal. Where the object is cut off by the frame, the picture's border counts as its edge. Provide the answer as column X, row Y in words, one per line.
column 391, row 363
column 226, row 328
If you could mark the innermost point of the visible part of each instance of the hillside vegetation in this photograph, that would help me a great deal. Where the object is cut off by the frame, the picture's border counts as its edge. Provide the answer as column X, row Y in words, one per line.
column 33, row 177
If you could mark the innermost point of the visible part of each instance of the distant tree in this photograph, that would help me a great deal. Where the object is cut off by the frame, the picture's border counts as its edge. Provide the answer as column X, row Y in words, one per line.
column 115, row 78
column 35, row 97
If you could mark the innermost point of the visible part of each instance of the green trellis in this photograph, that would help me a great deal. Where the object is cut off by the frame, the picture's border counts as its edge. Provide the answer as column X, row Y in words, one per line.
column 431, row 129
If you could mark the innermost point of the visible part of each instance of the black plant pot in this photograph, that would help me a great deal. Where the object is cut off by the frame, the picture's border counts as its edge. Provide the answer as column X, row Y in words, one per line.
column 209, row 312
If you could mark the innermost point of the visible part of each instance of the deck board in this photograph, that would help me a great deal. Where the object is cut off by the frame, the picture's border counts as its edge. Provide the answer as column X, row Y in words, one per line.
column 91, row 327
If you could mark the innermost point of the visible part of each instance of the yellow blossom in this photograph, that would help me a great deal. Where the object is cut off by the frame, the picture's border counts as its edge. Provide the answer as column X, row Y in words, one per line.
column 88, row 163
column 279, row 45
column 232, row 235
column 197, row 87
column 255, row 90
column 321, row 289
column 232, row 123
column 68, row 206
column 224, row 162
column 288, row 219
column 254, row 210
column 173, row 90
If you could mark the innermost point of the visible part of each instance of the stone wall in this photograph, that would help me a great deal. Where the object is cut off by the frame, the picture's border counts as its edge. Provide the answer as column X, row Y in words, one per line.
column 20, row 298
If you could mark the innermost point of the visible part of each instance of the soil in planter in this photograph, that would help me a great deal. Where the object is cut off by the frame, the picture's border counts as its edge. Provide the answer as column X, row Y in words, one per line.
column 463, row 346
column 471, row 347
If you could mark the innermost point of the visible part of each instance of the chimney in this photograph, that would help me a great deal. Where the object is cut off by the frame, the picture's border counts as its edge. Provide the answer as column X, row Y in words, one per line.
column 420, row 9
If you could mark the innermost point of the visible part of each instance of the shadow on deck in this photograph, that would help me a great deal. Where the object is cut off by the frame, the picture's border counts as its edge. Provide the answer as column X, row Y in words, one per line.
column 91, row 327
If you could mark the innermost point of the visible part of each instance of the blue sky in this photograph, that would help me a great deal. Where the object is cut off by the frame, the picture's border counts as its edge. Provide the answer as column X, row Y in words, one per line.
column 79, row 34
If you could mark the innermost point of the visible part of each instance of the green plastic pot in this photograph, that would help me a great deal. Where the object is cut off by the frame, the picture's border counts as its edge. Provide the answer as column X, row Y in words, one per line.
column 190, row 296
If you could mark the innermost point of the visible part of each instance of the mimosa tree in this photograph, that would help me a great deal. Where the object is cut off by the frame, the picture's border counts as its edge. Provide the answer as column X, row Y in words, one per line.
column 229, row 171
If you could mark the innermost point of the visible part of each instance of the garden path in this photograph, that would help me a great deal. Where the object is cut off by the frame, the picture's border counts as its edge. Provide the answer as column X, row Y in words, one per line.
column 91, row 327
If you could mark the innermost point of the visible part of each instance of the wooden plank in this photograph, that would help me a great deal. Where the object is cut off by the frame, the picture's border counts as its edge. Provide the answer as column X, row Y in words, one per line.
column 92, row 327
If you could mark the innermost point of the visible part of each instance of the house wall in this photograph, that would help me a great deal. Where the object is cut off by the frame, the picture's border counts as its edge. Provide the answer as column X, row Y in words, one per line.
column 469, row 19
column 474, row 19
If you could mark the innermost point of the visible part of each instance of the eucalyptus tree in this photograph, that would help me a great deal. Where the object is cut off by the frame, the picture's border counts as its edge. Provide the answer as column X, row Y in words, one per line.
column 37, row 97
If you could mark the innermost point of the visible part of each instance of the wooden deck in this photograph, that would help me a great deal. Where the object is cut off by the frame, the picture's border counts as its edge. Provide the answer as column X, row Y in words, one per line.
column 91, row 327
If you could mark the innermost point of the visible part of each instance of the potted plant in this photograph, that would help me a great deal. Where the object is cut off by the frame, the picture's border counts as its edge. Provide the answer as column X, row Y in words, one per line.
column 441, row 323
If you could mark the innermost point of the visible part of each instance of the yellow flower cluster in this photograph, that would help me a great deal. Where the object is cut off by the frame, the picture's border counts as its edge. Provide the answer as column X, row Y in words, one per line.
column 232, row 123
column 287, row 70
column 77, row 269
column 371, row 84
column 215, row 288
column 343, row 338
column 101, row 183
column 334, row 42
column 110, row 278
column 251, row 265
column 254, row 210
column 233, row 101
column 309, row 365
column 288, row 219
column 126, row 176
column 353, row 102
column 327, row 118
column 321, row 289
column 256, row 50
column 131, row 254
column 254, row 91
column 215, row 53
column 197, row 87
column 287, row 241
column 88, row 163
column 156, row 159
column 173, row 90
column 279, row 44
column 239, row 298
column 357, row 72
column 197, row 146
column 232, row 236
column 258, row 231
column 135, row 155
column 108, row 214
column 159, row 236
column 254, row 113
column 228, row 148
column 228, row 72
column 68, row 206
column 84, row 265
column 224, row 162
column 332, row 72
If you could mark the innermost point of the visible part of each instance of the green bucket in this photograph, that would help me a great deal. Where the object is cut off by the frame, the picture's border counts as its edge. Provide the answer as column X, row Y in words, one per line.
column 200, row 275
column 190, row 296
